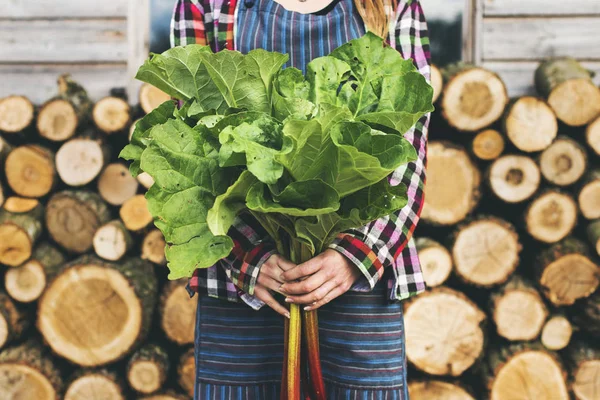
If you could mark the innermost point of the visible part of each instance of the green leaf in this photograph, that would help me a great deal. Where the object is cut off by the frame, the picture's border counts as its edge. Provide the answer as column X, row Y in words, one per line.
column 325, row 75
column 374, row 202
column 312, row 197
column 228, row 205
column 320, row 231
column 268, row 64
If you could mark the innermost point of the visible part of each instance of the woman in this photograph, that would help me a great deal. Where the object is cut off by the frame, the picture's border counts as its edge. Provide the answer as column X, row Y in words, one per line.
column 358, row 283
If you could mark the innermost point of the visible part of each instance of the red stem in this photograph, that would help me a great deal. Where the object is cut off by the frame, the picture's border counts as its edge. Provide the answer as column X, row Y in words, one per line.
column 311, row 333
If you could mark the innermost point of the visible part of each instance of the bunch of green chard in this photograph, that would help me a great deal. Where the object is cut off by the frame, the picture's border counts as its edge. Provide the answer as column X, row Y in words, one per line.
column 307, row 156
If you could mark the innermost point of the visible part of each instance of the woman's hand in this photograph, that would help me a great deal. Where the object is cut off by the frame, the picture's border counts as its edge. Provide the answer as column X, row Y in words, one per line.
column 319, row 280
column 270, row 279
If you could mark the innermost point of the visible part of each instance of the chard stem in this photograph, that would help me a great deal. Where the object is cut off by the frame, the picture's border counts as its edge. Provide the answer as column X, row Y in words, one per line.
column 311, row 333
column 293, row 357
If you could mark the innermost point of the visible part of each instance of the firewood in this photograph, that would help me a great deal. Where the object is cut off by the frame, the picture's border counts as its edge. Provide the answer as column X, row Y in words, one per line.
column 593, row 231
column 569, row 89
column 145, row 180
column 488, row 145
column 525, row 371
column 168, row 395
column 153, row 247
column 94, row 312
column 80, row 160
column 186, row 372
column 518, row 310
column 436, row 261
column 453, row 181
column 592, row 136
column 13, row 320
column 530, row 124
column 513, row 178
column 587, row 314
column 18, row 235
column 147, row 369
column 111, row 115
column 564, row 162
column 437, row 390
column 2, row 198
column 583, row 360
column 72, row 218
column 436, row 344
column 437, row 82
column 566, row 273
column 589, row 195
column 557, row 332
column 28, row 372
column 19, row 205
column 116, row 185
column 95, row 384
column 473, row 97
column 27, row 282
column 30, row 171
column 5, row 149
column 551, row 216
column 112, row 241
column 485, row 251
column 60, row 116
column 151, row 97
column 16, row 114
column 177, row 313
column 134, row 213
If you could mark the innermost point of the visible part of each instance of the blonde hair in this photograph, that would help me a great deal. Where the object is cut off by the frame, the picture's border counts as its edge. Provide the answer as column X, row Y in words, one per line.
column 377, row 14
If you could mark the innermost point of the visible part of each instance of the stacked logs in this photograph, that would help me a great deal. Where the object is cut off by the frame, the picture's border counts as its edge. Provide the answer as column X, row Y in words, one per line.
column 509, row 240
column 86, row 310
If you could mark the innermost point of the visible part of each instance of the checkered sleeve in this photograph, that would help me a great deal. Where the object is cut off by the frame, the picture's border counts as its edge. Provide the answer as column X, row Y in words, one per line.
column 378, row 245
column 187, row 25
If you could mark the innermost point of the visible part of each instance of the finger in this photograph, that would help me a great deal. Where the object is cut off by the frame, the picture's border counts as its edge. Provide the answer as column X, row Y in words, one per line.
column 316, row 295
column 334, row 294
column 305, row 269
column 269, row 283
column 271, row 271
column 284, row 264
column 306, row 286
column 266, row 297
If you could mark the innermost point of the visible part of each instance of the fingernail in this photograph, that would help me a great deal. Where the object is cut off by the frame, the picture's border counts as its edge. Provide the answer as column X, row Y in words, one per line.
column 288, row 300
column 288, row 315
column 282, row 288
column 307, row 308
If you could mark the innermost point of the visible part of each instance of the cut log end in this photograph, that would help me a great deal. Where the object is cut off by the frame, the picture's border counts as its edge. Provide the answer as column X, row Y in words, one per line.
column 488, row 145
column 18, row 205
column 452, row 189
column 144, row 377
column 27, row 282
column 576, row 102
column 178, row 313
column 186, row 372
column 145, row 180
column 530, row 124
column 134, row 213
column 438, row 345
column 153, row 247
column 116, row 185
column 22, row 382
column 30, row 171
column 436, row 261
column 16, row 245
column 16, row 114
column 519, row 315
column 57, row 120
column 592, row 136
column 111, row 114
column 514, row 178
column 437, row 82
column 112, row 241
column 586, row 385
column 169, row 395
column 437, row 390
column 94, row 386
column 151, row 97
column 551, row 217
column 557, row 333
column 564, row 162
column 589, row 200
column 79, row 161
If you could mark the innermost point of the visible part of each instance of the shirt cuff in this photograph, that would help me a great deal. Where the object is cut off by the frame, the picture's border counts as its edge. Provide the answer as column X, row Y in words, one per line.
column 363, row 256
column 245, row 276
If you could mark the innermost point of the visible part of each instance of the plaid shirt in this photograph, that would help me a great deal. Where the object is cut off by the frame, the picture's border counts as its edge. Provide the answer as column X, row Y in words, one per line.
column 383, row 244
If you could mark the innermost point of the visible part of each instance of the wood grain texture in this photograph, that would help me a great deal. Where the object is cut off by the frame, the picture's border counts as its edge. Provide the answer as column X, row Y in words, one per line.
column 540, row 7
column 63, row 8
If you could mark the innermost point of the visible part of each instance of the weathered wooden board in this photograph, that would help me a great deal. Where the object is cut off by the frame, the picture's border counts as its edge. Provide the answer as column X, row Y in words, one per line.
column 38, row 82
column 540, row 7
column 67, row 41
column 538, row 38
column 63, row 8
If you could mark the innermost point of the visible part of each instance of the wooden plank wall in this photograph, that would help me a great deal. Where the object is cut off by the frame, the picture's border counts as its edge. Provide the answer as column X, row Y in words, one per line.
column 100, row 43
column 512, row 36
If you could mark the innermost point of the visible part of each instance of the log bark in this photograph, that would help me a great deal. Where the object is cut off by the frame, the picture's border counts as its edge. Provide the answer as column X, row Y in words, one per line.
column 14, row 321
column 60, row 117
column 587, row 314
column 566, row 273
column 80, row 160
column 30, row 171
column 437, row 82
column 28, row 372
column 583, row 360
column 436, row 344
column 518, row 310
column 564, row 162
column 95, row 384
column 453, row 184
column 530, row 124
column 177, row 313
column 5, row 149
column 147, row 369
column 27, row 282
column 589, row 195
column 557, row 332
column 551, row 216
column 72, row 218
column 167, row 395
column 116, row 185
column 112, row 114
column 485, row 251
column 525, row 371
column 593, row 232
column 186, row 372
column 569, row 89
column 436, row 261
column 473, row 97
column 488, row 145
column 94, row 312
column 513, row 178
column 153, row 247
column 16, row 114
column 18, row 235
column 437, row 390
column 112, row 241
column 151, row 97
column 592, row 136
column 134, row 213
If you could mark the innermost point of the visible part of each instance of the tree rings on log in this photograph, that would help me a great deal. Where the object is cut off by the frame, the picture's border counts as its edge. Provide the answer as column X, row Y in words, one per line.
column 584, row 362
column 592, row 136
column 111, row 114
column 485, row 251
column 153, row 247
column 551, row 216
column 488, row 145
column 134, row 213
column 112, row 240
column 57, row 120
column 557, row 333
column 116, row 185
column 30, row 171
column 530, row 124
column 186, row 372
column 564, row 162
column 453, row 184
column 589, row 196
column 177, row 313
column 514, row 178
column 80, row 160
column 16, row 114
column 147, row 369
column 95, row 384
column 93, row 312
column 437, row 82
column 436, row 344
column 436, row 261
column 437, row 390
column 18, row 235
column 13, row 320
column 19, row 205
column 151, row 97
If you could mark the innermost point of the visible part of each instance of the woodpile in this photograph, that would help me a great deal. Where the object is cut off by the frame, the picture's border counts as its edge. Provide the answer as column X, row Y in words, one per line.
column 509, row 241
column 86, row 310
